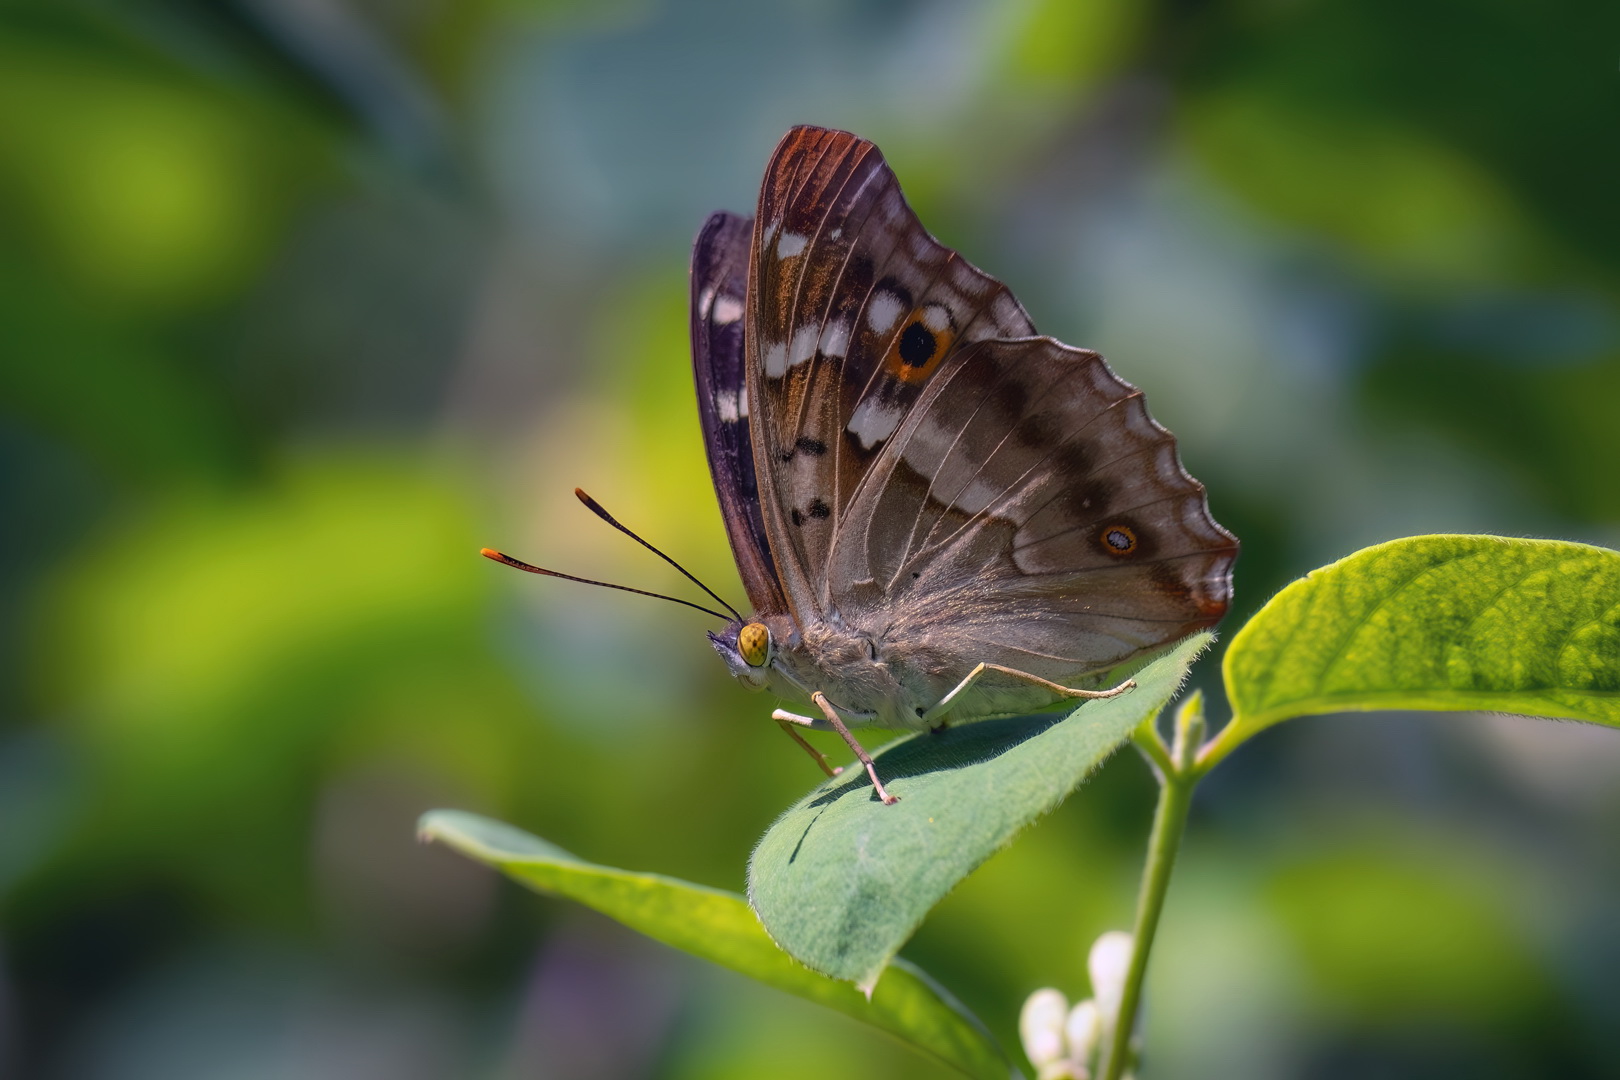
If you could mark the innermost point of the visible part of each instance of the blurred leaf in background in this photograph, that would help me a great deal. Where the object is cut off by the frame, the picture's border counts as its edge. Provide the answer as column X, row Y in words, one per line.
column 302, row 303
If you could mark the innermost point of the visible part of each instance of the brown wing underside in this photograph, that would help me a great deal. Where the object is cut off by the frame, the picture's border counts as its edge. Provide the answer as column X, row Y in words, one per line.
column 852, row 308
column 1032, row 507
column 931, row 469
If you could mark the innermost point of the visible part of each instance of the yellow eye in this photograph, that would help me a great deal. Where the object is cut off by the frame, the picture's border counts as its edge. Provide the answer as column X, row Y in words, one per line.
column 754, row 642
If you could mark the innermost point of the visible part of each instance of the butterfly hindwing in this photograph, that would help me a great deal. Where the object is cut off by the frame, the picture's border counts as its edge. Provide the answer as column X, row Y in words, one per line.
column 853, row 308
column 1030, row 511
column 719, row 290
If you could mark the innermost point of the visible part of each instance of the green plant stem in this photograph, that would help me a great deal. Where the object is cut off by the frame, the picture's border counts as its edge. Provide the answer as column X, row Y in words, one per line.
column 1214, row 752
column 1169, row 822
column 1147, row 740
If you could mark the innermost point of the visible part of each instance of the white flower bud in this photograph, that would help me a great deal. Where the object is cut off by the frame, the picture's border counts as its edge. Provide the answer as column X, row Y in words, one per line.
column 1040, row 1025
column 1083, row 1030
column 1108, row 963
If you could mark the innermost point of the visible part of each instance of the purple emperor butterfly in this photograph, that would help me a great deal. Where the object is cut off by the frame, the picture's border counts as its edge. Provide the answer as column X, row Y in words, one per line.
column 938, row 515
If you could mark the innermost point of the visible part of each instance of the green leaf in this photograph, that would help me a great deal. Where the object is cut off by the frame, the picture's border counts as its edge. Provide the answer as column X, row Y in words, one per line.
column 718, row 926
column 841, row 881
column 1435, row 622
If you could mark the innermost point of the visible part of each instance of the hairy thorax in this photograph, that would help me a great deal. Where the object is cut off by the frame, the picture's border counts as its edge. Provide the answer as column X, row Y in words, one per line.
column 849, row 666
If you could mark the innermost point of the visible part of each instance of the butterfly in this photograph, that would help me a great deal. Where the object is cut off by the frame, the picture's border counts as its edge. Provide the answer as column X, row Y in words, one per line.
column 938, row 515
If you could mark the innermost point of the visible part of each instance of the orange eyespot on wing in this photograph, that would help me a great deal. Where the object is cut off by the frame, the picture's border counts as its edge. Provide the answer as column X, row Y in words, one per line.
column 1117, row 539
column 754, row 643
column 924, row 338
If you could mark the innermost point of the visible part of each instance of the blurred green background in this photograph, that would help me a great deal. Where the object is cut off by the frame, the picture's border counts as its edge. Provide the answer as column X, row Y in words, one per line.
column 303, row 302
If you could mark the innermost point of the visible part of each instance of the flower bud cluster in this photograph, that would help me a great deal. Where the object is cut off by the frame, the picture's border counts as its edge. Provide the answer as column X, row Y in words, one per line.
column 1065, row 1043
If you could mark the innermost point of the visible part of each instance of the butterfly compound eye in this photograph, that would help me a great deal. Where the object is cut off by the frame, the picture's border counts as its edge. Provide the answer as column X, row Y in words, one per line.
column 754, row 643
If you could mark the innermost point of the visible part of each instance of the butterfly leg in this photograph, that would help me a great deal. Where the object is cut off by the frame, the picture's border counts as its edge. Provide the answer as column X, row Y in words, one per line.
column 934, row 717
column 786, row 720
column 860, row 751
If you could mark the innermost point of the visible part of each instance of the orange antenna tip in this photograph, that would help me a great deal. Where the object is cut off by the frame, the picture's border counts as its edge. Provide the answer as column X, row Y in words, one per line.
column 491, row 553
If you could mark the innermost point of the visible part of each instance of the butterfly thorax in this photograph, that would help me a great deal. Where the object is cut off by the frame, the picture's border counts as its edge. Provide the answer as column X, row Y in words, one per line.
column 848, row 666
column 844, row 663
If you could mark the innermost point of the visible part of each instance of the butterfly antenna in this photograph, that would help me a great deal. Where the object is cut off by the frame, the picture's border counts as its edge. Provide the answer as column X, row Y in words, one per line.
column 519, row 564
column 596, row 508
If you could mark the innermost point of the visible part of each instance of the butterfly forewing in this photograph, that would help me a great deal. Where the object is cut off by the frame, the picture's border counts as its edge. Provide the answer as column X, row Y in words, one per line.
column 853, row 309
column 719, row 291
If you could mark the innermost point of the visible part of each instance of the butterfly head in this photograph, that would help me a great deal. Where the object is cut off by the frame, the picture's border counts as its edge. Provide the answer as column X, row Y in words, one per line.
column 748, row 649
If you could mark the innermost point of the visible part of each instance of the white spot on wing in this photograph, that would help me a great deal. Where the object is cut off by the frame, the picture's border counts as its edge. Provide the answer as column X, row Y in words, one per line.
column 789, row 245
column 776, row 359
column 727, row 310
column 882, row 310
column 873, row 422
column 725, row 405
column 936, row 318
column 804, row 343
column 976, row 496
column 835, row 339
column 705, row 301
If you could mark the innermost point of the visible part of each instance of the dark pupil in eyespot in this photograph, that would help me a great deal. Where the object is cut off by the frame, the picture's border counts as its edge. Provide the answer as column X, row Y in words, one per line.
column 916, row 345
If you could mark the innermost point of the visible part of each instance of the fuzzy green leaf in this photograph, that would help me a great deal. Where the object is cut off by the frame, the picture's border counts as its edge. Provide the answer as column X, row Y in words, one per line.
column 841, row 881
column 1435, row 622
column 718, row 926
